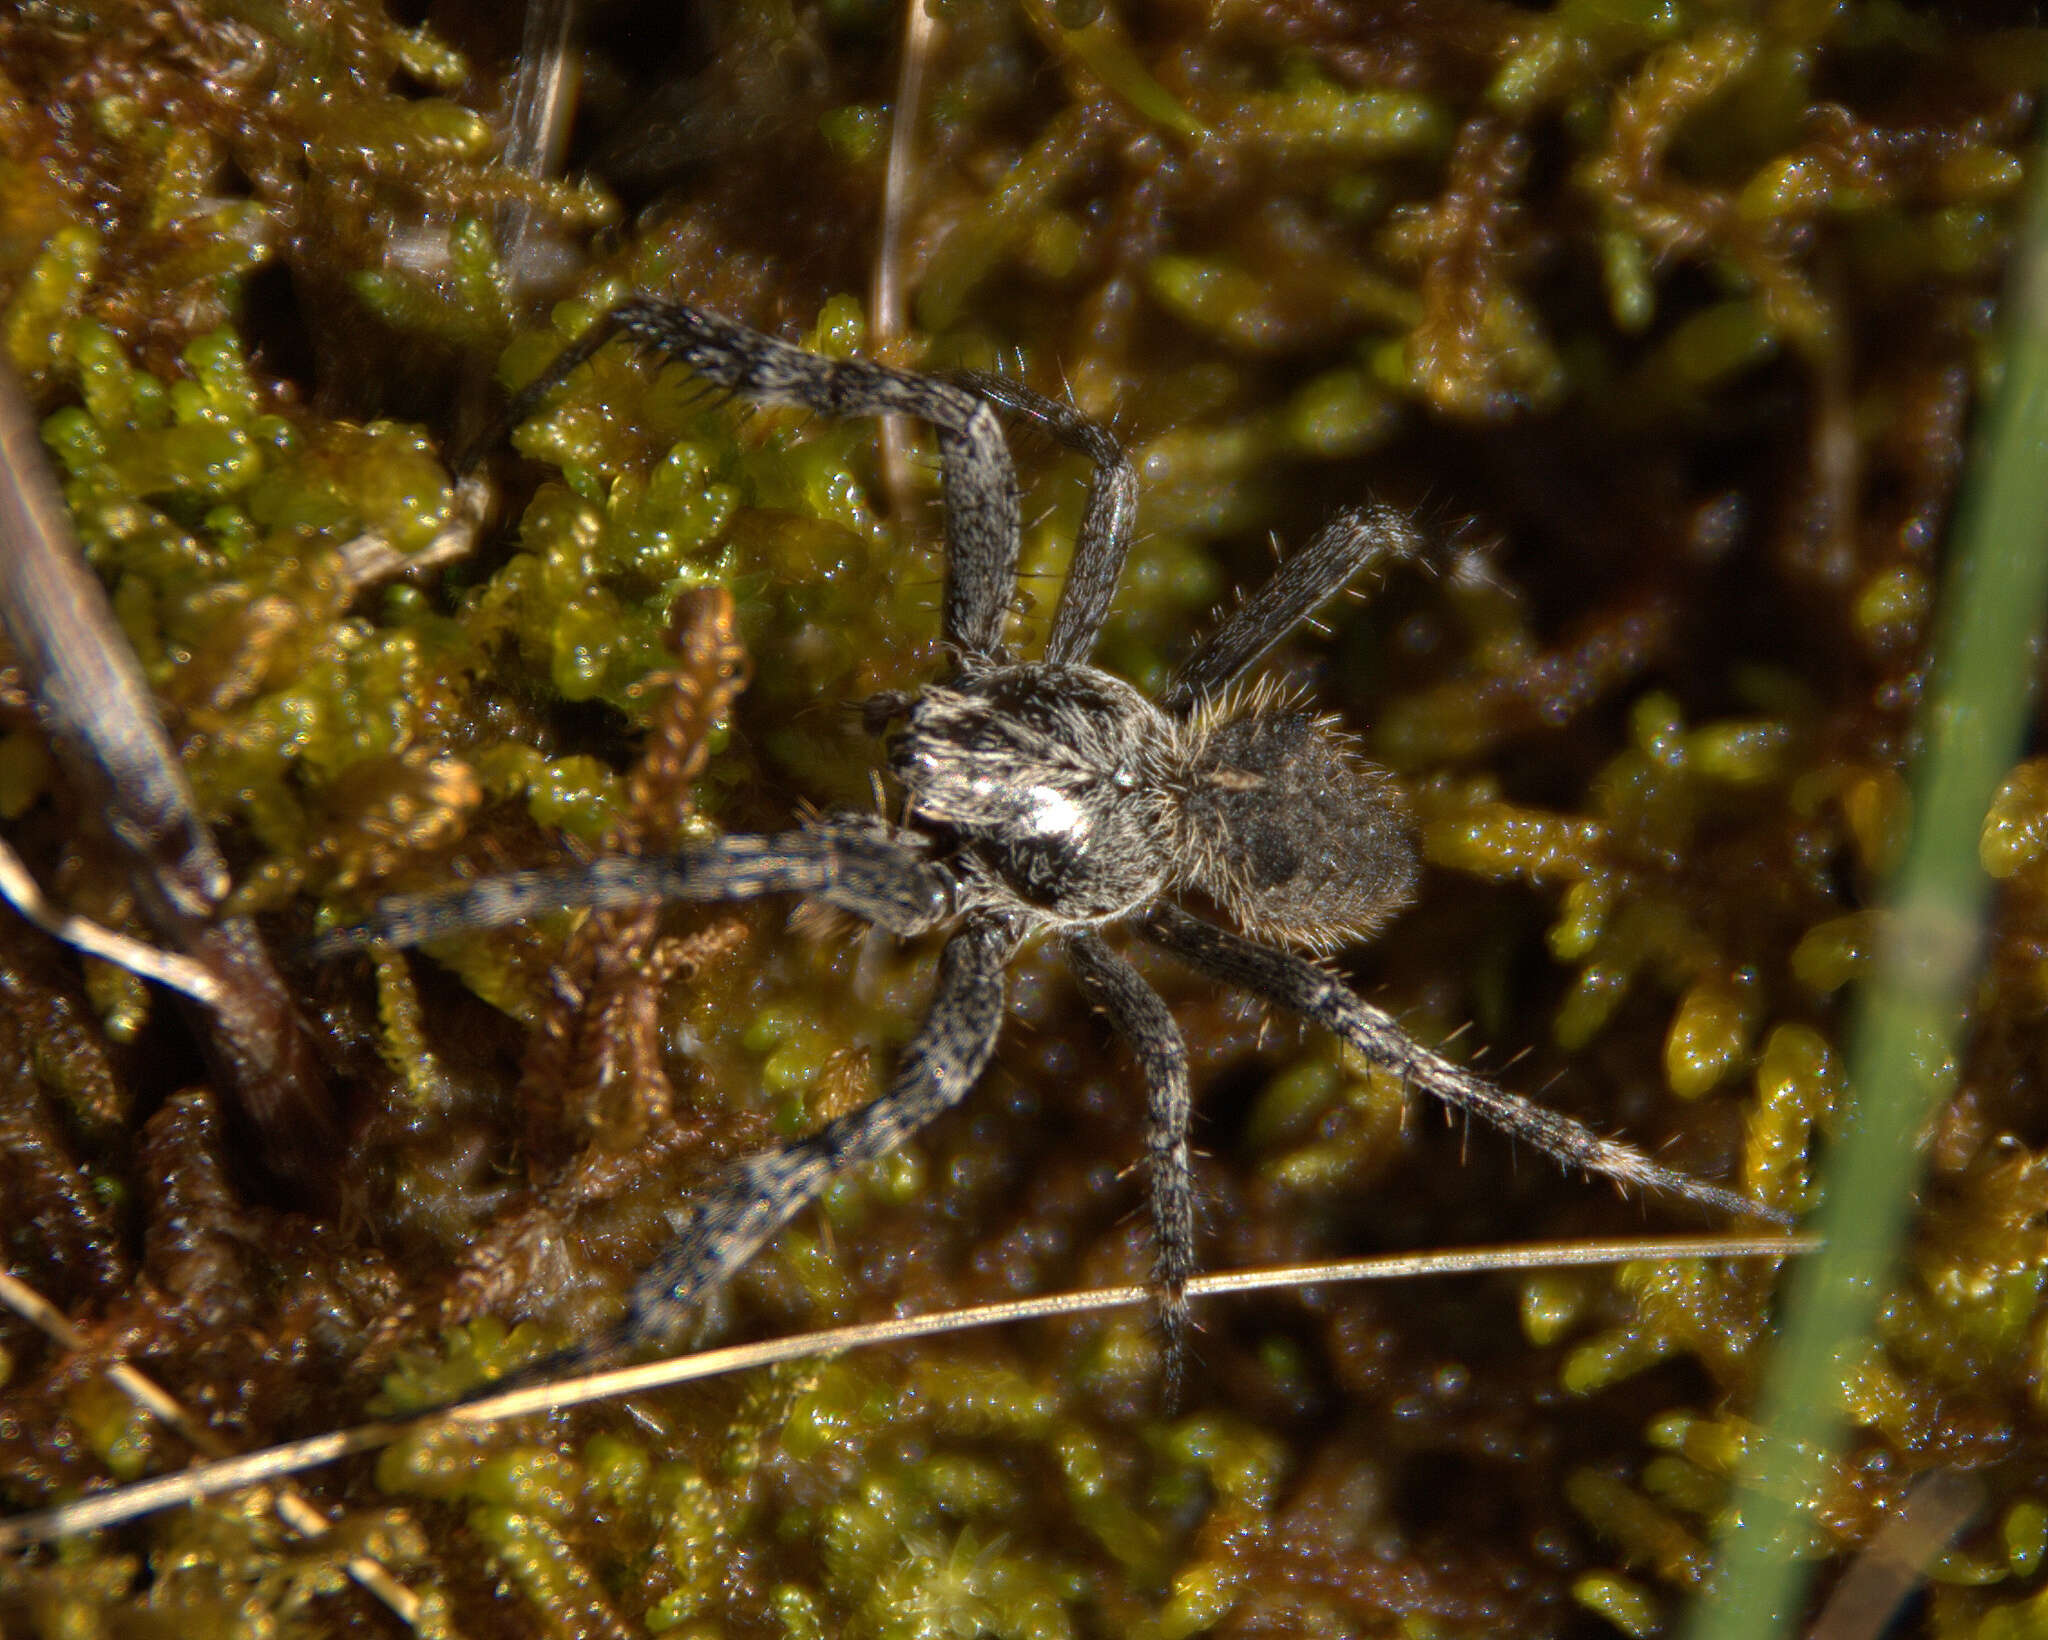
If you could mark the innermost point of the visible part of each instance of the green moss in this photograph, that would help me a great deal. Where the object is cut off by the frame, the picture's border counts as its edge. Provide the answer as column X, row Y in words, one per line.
column 1710, row 1030
column 2025, row 1529
column 119, row 1433
column 49, row 294
column 1623, row 1603
column 469, row 1356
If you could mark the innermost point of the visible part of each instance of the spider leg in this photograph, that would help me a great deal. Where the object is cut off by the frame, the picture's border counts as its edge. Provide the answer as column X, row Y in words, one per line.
column 1141, row 1019
column 941, row 1062
column 856, row 864
column 1294, row 982
column 1341, row 551
column 1104, row 539
column 982, row 523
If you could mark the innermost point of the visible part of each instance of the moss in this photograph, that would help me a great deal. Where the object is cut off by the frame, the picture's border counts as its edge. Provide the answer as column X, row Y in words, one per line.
column 1682, row 309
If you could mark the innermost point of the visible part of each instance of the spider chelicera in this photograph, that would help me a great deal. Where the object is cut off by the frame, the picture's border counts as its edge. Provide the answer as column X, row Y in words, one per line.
column 1046, row 797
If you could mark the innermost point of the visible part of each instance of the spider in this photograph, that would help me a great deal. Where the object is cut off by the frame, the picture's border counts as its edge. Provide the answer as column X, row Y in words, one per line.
column 1044, row 798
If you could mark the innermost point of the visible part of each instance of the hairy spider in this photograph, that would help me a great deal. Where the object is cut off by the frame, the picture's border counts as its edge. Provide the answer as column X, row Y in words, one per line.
column 1046, row 797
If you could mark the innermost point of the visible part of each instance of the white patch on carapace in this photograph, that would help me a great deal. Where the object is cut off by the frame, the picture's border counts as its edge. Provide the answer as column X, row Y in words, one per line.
column 1050, row 812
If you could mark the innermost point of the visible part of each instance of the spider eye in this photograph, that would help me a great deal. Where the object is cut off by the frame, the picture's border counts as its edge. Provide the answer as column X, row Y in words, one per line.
column 1291, row 833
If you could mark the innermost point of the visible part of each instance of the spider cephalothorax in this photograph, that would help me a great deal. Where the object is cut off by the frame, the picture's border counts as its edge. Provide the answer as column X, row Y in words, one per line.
column 1047, row 797
column 1054, row 778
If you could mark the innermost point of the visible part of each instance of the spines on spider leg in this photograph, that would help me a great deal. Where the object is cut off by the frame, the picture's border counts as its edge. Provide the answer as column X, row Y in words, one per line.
column 1103, row 541
column 1136, row 1013
column 854, row 862
column 1345, row 548
column 739, row 1212
column 529, row 398
column 983, row 527
column 493, row 902
column 1296, row 983
column 943, row 1059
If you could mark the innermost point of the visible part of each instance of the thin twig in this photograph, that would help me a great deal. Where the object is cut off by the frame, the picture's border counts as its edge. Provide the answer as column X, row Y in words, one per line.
column 208, row 1480
column 96, row 710
column 370, row 558
column 18, row 888
column 293, row 1507
column 888, row 314
column 1896, row 1561
column 543, row 98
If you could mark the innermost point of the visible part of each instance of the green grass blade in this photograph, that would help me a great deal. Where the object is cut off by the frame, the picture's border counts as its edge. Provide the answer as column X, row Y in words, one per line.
column 1907, row 1039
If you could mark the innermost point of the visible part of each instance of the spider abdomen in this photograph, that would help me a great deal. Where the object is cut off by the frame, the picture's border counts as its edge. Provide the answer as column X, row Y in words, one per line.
column 1053, row 776
column 1291, row 832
